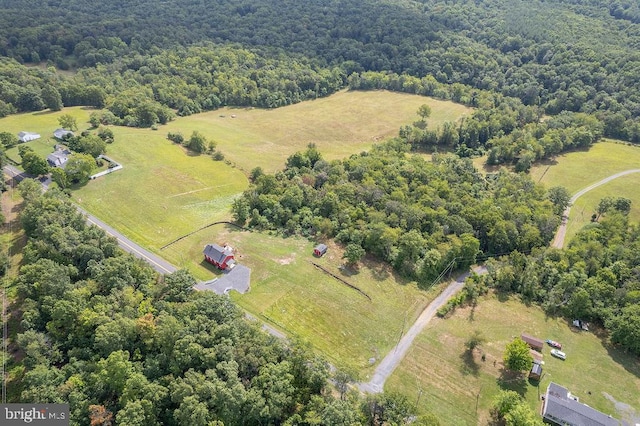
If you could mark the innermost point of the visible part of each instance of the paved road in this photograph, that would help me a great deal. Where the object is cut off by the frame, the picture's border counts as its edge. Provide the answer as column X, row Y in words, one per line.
column 156, row 262
column 393, row 358
column 558, row 241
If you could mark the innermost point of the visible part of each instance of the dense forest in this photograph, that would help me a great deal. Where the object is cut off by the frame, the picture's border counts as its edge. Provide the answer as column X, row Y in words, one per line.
column 102, row 332
column 421, row 217
column 556, row 55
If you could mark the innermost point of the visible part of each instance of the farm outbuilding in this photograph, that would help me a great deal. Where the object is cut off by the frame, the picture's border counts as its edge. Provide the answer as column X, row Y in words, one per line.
column 28, row 136
column 320, row 250
column 533, row 342
column 222, row 257
column 536, row 371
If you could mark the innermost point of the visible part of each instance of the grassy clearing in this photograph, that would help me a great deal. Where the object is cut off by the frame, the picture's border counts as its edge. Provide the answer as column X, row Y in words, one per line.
column 295, row 296
column 577, row 170
column 339, row 125
column 450, row 382
column 162, row 192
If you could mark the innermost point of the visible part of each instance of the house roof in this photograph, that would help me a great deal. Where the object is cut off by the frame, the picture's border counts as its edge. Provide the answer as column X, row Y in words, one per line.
column 536, row 369
column 216, row 253
column 61, row 133
column 58, row 158
column 320, row 247
column 561, row 408
column 532, row 341
column 28, row 135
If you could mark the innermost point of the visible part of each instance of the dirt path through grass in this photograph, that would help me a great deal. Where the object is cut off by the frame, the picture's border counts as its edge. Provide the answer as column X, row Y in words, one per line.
column 393, row 358
column 558, row 241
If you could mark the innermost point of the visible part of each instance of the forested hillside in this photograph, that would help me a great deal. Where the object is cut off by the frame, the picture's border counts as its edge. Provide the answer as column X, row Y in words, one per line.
column 561, row 55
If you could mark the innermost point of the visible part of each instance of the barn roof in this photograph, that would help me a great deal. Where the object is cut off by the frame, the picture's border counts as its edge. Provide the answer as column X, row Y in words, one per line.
column 217, row 253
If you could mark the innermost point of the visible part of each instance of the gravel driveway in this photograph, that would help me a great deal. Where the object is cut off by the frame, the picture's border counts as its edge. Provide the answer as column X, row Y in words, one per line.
column 238, row 279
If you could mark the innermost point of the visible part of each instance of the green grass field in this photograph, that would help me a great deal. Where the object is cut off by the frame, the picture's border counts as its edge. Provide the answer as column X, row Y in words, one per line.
column 340, row 125
column 289, row 292
column 577, row 170
column 449, row 383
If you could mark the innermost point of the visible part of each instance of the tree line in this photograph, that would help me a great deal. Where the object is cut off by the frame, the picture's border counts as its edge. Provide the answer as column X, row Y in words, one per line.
column 554, row 55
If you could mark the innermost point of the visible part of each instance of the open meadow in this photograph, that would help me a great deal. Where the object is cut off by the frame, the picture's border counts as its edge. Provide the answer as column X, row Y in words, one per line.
column 340, row 125
column 579, row 169
column 441, row 376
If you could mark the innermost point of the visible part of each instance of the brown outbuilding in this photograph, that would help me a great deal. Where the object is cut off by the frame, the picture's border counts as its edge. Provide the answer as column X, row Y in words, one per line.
column 533, row 342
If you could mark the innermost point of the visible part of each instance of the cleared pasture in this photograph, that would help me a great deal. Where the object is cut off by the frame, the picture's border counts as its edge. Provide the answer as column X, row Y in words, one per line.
column 340, row 125
column 292, row 294
column 579, row 169
column 442, row 377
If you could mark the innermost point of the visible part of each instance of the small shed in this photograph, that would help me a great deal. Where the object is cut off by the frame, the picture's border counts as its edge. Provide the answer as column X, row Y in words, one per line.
column 536, row 371
column 320, row 250
column 533, row 342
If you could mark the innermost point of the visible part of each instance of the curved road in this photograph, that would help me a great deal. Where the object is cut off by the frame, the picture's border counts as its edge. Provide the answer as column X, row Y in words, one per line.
column 393, row 358
column 558, row 241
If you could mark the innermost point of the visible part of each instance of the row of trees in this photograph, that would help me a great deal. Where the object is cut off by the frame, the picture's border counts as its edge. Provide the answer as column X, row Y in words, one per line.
column 102, row 332
column 419, row 216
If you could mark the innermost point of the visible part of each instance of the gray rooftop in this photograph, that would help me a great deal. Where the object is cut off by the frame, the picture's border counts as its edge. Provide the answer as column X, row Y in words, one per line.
column 562, row 409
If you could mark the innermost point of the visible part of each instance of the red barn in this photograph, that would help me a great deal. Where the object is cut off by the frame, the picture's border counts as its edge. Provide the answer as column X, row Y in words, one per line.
column 222, row 257
column 320, row 250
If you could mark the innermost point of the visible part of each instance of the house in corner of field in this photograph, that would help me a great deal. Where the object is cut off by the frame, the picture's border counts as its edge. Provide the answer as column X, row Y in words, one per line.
column 221, row 257
column 28, row 136
column 62, row 133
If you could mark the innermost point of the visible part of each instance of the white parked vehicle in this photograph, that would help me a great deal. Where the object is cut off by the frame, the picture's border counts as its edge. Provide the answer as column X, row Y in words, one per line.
column 558, row 354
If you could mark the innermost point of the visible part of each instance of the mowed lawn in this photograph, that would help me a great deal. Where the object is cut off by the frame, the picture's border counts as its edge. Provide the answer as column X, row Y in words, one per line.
column 340, row 125
column 448, row 382
column 577, row 170
column 289, row 292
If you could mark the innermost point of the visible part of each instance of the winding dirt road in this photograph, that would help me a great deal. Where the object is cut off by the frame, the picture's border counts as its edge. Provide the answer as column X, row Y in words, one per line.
column 394, row 357
column 558, row 241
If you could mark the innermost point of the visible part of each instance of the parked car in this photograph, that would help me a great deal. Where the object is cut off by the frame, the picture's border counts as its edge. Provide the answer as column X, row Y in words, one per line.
column 581, row 325
column 558, row 354
column 554, row 344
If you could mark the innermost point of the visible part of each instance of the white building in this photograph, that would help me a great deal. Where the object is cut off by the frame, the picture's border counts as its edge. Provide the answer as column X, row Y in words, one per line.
column 28, row 136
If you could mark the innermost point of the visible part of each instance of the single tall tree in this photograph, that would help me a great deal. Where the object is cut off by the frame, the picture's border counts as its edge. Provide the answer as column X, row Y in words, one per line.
column 517, row 356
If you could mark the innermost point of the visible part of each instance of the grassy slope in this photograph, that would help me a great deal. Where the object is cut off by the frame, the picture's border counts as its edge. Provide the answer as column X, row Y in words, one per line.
column 340, row 125
column 449, row 382
column 295, row 296
column 576, row 170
